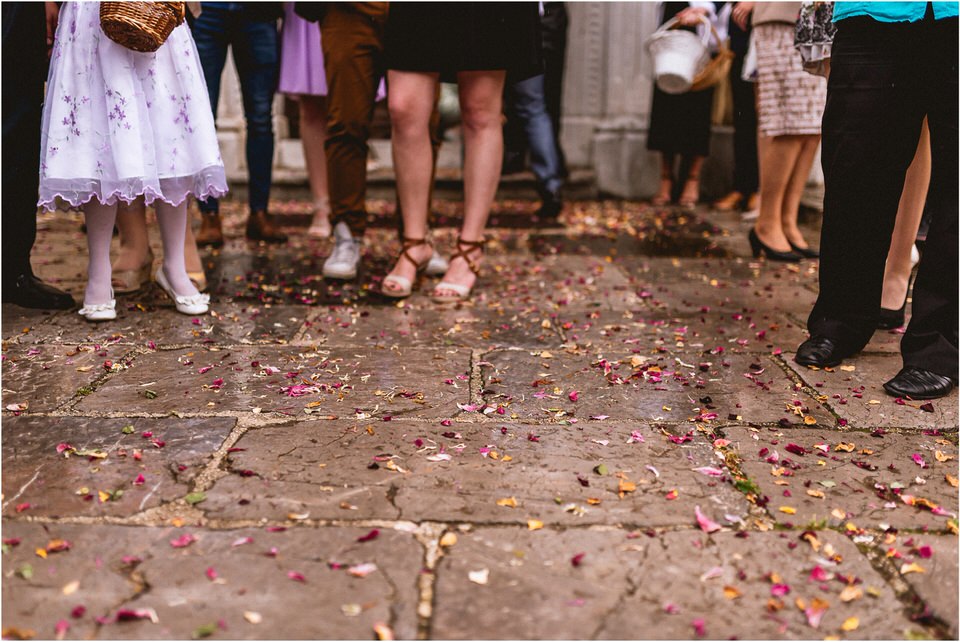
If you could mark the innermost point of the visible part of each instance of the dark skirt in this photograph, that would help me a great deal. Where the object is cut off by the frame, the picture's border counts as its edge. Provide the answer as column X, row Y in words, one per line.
column 447, row 37
column 680, row 123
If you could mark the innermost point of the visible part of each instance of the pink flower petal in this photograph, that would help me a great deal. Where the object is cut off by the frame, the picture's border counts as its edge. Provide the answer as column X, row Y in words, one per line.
column 372, row 535
column 183, row 541
column 296, row 577
column 706, row 524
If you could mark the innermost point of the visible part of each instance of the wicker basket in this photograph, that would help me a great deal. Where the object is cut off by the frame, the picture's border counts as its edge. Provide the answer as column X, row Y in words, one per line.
column 716, row 69
column 141, row 26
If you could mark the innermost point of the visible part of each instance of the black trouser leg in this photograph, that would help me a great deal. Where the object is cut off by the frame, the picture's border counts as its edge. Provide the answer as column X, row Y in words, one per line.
column 930, row 342
column 871, row 126
column 24, row 72
column 745, row 172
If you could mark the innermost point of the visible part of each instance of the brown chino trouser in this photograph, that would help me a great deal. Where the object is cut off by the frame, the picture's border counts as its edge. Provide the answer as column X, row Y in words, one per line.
column 353, row 38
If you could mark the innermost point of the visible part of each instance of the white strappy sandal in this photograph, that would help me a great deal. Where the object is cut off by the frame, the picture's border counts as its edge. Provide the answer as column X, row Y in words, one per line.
column 404, row 286
column 460, row 292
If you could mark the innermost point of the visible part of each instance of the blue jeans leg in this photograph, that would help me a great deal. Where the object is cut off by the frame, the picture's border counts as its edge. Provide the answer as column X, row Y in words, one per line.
column 256, row 51
column 532, row 111
column 211, row 32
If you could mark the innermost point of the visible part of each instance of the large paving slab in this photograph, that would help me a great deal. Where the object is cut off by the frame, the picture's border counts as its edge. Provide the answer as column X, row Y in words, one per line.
column 675, row 286
column 738, row 332
column 345, row 382
column 144, row 319
column 240, row 590
column 644, row 384
column 149, row 461
column 41, row 378
column 851, row 477
column 935, row 581
column 416, row 323
column 676, row 585
column 854, row 391
column 399, row 470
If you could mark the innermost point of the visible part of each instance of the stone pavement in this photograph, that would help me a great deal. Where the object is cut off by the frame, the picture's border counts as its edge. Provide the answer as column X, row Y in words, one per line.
column 611, row 440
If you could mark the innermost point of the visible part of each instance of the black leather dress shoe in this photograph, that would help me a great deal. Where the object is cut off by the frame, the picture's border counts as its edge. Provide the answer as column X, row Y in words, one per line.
column 820, row 352
column 552, row 205
column 918, row 383
column 30, row 292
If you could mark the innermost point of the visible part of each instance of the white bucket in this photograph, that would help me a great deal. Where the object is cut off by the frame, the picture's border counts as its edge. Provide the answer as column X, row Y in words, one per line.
column 677, row 57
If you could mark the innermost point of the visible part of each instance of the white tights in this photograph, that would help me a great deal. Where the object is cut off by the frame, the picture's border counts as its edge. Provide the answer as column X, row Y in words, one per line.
column 100, row 220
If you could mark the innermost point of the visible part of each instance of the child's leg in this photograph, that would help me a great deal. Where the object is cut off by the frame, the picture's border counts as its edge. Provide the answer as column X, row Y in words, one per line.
column 173, row 230
column 100, row 220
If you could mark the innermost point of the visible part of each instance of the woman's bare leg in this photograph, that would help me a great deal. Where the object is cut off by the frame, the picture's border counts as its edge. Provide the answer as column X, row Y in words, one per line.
column 896, row 275
column 795, row 186
column 776, row 166
column 410, row 100
column 481, row 97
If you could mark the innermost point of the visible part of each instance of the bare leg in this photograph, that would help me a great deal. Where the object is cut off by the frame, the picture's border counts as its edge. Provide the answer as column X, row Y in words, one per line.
column 795, row 187
column 666, row 180
column 410, row 102
column 99, row 219
column 896, row 275
column 313, row 133
column 691, row 186
column 173, row 223
column 134, row 239
column 776, row 166
column 481, row 97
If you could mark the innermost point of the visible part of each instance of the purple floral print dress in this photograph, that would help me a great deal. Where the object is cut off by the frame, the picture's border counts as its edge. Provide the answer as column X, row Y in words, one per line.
column 118, row 124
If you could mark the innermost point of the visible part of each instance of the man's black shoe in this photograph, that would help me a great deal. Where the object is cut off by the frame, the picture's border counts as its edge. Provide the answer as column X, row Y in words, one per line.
column 820, row 352
column 30, row 292
column 917, row 383
column 552, row 205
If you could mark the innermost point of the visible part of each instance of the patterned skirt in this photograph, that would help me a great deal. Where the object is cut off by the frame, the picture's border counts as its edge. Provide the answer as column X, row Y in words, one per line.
column 790, row 101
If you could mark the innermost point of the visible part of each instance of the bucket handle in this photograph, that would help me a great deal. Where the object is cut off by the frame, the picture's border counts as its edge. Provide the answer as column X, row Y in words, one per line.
column 673, row 22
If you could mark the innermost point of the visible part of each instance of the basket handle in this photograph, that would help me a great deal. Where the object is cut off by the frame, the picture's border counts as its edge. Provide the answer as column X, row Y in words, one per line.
column 673, row 22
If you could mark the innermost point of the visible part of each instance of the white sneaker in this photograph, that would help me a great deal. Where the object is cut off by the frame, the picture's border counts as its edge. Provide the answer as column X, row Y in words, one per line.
column 343, row 261
column 437, row 265
column 750, row 215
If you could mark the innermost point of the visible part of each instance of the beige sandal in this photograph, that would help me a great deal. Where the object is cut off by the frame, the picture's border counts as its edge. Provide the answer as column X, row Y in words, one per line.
column 129, row 281
column 461, row 292
column 403, row 284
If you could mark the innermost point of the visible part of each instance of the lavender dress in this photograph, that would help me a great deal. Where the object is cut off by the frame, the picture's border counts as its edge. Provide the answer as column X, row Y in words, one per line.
column 301, row 56
column 118, row 124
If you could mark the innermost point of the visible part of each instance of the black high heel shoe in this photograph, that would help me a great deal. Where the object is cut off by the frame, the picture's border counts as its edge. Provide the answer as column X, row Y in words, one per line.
column 890, row 319
column 805, row 252
column 759, row 247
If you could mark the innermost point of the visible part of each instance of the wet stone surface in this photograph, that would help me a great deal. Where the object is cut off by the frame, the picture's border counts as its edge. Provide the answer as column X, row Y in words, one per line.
column 664, row 586
column 626, row 383
column 816, row 476
column 46, row 377
column 590, row 473
column 244, row 584
column 855, row 392
column 59, row 466
column 370, row 381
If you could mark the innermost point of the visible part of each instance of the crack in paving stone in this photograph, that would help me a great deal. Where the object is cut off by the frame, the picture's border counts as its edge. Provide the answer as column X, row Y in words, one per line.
column 915, row 607
column 429, row 535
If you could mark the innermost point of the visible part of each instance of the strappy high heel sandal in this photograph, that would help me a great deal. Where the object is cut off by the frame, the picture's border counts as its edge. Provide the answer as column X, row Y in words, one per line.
column 461, row 292
column 404, row 286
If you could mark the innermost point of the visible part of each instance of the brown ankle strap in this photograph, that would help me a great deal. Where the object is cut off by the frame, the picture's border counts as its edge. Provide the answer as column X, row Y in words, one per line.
column 408, row 244
column 464, row 248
